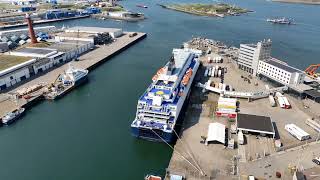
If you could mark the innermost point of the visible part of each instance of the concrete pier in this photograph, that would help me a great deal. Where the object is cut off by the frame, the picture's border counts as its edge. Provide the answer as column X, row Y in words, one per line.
column 88, row 61
column 44, row 21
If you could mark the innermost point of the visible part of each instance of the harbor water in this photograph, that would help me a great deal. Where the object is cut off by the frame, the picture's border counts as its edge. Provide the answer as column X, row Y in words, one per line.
column 86, row 134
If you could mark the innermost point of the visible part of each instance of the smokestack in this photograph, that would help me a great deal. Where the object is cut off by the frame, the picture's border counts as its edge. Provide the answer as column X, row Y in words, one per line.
column 31, row 31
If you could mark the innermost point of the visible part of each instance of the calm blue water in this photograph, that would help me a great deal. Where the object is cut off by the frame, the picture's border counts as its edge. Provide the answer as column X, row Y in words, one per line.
column 86, row 134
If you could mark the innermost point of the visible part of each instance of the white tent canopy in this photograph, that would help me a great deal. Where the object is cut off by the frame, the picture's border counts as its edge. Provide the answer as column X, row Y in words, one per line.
column 216, row 132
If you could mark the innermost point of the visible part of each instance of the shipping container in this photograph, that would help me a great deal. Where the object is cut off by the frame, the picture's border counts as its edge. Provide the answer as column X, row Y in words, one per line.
column 240, row 138
column 281, row 102
column 209, row 59
column 206, row 72
column 297, row 132
column 213, row 72
column 219, row 73
column 315, row 125
column 272, row 101
column 286, row 103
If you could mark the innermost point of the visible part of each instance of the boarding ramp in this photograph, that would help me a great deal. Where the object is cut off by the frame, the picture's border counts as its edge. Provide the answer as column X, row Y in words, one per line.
column 239, row 94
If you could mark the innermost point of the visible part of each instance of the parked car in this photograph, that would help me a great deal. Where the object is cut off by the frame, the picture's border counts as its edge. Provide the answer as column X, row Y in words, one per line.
column 316, row 160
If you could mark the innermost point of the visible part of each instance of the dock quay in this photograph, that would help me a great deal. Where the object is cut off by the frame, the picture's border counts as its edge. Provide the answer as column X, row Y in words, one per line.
column 196, row 158
column 89, row 61
column 43, row 22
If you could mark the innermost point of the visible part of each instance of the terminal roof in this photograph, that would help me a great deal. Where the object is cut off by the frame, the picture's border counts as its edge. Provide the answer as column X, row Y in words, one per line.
column 313, row 93
column 284, row 67
column 255, row 123
column 41, row 51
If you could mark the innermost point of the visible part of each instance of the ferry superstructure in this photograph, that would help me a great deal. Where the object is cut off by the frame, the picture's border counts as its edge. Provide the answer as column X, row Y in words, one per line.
column 159, row 107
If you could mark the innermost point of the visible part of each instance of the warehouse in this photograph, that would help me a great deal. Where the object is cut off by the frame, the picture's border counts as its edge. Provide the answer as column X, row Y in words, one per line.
column 14, row 69
column 114, row 33
column 72, row 49
column 25, row 31
column 255, row 124
column 313, row 94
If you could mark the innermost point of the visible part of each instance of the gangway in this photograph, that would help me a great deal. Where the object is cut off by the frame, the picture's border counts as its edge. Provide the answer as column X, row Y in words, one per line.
column 239, row 94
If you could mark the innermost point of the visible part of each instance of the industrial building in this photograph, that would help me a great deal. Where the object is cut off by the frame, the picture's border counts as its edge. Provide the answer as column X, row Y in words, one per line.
column 281, row 72
column 25, row 31
column 251, row 54
column 72, row 49
column 14, row 69
column 114, row 33
column 4, row 47
column 255, row 124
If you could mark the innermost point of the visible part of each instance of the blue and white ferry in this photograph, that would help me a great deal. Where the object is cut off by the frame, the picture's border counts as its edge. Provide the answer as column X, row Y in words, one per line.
column 159, row 107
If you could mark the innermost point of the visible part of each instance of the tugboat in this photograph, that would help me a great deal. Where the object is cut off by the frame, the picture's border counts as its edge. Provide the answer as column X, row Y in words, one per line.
column 10, row 117
column 280, row 21
column 142, row 6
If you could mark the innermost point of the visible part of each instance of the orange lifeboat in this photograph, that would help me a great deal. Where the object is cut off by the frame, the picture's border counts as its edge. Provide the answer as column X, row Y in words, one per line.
column 160, row 71
column 187, row 77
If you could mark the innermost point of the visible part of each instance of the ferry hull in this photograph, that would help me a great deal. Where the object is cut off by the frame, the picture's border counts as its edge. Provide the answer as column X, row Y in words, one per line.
column 148, row 134
column 13, row 120
column 151, row 135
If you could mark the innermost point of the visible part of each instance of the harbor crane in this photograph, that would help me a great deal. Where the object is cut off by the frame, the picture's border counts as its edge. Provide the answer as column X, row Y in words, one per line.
column 311, row 71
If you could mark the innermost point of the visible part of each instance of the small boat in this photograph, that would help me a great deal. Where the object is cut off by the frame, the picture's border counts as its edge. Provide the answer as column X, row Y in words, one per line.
column 280, row 20
column 142, row 6
column 10, row 117
column 152, row 177
column 72, row 78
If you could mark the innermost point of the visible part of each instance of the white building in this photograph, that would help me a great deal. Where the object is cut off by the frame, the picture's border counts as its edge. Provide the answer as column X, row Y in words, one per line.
column 251, row 54
column 72, row 48
column 114, row 33
column 53, row 56
column 281, row 72
column 20, row 70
